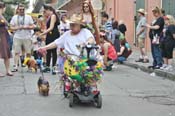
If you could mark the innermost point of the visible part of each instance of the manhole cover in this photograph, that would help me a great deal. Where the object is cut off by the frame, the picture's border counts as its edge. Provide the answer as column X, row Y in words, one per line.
column 161, row 100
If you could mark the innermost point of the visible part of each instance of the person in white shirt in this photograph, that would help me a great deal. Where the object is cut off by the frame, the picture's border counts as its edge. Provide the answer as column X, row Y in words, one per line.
column 64, row 25
column 36, row 42
column 77, row 35
column 22, row 25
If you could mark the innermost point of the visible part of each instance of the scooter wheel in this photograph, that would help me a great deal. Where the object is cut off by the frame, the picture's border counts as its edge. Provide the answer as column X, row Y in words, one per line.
column 99, row 101
column 65, row 93
column 71, row 100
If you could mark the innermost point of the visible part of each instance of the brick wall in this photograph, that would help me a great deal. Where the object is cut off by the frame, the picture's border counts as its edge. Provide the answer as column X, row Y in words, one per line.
column 73, row 7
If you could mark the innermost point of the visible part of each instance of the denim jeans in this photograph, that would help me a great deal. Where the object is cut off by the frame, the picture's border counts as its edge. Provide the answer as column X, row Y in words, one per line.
column 121, row 59
column 156, row 54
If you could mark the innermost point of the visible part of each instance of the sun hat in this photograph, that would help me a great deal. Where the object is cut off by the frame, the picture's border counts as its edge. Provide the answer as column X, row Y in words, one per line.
column 76, row 19
column 142, row 11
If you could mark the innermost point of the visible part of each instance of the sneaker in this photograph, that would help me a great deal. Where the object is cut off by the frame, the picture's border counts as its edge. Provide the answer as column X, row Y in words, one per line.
column 15, row 68
column 157, row 67
column 163, row 67
column 23, row 65
column 54, row 70
column 46, row 70
column 108, row 68
column 169, row 68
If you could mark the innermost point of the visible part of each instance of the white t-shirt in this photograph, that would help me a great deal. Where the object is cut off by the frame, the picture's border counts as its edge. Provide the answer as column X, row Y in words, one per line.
column 64, row 26
column 22, row 21
column 69, row 42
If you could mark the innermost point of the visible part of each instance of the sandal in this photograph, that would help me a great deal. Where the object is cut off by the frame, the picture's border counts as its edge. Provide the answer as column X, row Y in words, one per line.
column 1, row 75
column 145, row 61
column 139, row 60
column 9, row 74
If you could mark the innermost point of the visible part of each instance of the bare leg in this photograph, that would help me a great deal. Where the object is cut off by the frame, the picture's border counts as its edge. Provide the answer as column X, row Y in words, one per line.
column 169, row 61
column 165, row 61
column 143, row 51
column 7, row 66
column 141, row 56
column 16, row 60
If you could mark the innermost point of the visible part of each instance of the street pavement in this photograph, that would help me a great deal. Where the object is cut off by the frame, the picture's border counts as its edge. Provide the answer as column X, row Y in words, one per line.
column 125, row 92
column 144, row 66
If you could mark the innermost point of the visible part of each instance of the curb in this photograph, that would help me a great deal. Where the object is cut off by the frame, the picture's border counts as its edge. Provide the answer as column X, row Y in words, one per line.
column 161, row 73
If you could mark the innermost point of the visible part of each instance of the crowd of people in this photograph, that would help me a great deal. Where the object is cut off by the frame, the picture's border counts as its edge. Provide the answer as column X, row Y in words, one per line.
column 162, row 36
column 60, row 33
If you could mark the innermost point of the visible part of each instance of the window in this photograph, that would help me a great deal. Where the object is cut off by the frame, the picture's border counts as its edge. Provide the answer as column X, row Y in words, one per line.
column 169, row 6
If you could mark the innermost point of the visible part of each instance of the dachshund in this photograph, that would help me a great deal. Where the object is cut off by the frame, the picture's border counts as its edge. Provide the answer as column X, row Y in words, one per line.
column 43, row 86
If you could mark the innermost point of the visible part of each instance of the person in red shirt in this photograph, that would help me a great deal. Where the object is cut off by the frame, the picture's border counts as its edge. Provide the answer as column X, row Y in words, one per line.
column 108, row 51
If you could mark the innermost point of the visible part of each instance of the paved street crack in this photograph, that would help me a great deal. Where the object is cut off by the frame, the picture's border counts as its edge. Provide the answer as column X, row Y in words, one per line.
column 23, row 81
column 155, row 96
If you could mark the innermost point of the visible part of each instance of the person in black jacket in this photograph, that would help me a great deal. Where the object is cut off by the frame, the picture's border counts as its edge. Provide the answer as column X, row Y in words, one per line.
column 156, row 30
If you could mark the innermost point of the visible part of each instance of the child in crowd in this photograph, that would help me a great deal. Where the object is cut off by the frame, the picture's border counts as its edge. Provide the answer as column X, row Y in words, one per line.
column 108, row 51
column 37, row 42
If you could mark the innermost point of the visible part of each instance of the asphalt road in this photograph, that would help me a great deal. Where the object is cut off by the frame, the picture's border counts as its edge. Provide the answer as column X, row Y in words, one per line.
column 125, row 92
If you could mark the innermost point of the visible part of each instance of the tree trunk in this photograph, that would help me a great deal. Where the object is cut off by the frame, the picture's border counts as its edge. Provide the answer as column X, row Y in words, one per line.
column 38, row 6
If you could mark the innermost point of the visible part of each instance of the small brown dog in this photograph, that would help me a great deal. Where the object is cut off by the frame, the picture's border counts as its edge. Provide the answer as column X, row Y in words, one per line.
column 31, row 64
column 43, row 86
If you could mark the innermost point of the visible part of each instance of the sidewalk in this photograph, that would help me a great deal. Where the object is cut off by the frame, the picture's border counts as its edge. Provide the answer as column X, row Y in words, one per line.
column 144, row 66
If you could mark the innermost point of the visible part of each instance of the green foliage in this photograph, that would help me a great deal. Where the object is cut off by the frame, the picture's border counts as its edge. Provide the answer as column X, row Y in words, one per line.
column 15, row 2
column 9, row 12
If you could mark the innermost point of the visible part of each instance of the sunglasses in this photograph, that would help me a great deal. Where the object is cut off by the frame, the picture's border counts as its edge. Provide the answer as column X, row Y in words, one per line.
column 73, row 25
column 21, row 9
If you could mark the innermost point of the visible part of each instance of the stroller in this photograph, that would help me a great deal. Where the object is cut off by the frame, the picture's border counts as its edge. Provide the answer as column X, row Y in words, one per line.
column 81, row 74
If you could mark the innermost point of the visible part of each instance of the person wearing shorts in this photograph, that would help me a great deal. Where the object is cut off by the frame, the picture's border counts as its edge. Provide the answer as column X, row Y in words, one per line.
column 22, row 25
column 169, row 43
column 141, row 35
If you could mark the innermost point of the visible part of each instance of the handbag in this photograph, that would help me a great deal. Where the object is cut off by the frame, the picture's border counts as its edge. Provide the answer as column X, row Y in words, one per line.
column 156, row 39
column 9, row 41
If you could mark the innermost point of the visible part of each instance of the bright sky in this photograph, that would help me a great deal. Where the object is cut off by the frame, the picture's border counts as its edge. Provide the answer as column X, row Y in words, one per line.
column 30, row 6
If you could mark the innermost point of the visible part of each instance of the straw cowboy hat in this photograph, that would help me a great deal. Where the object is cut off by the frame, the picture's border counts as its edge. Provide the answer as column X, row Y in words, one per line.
column 76, row 19
column 141, row 10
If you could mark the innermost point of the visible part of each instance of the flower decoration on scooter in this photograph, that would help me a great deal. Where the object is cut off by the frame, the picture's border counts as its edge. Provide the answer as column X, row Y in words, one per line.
column 87, row 68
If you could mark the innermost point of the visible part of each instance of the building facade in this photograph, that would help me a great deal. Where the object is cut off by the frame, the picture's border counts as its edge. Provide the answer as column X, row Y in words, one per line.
column 126, row 10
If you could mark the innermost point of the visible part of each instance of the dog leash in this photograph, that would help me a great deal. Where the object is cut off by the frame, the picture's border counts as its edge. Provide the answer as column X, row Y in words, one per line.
column 39, row 63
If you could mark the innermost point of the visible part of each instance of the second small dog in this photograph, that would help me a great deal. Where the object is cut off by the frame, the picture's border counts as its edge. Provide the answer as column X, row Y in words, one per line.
column 31, row 64
column 43, row 86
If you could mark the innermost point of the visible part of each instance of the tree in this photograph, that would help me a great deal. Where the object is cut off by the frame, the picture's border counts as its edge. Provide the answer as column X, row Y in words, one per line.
column 10, row 7
column 15, row 2
column 38, row 6
column 9, row 12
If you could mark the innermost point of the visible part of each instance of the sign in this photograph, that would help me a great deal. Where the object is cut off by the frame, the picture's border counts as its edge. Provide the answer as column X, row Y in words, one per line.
column 97, row 4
